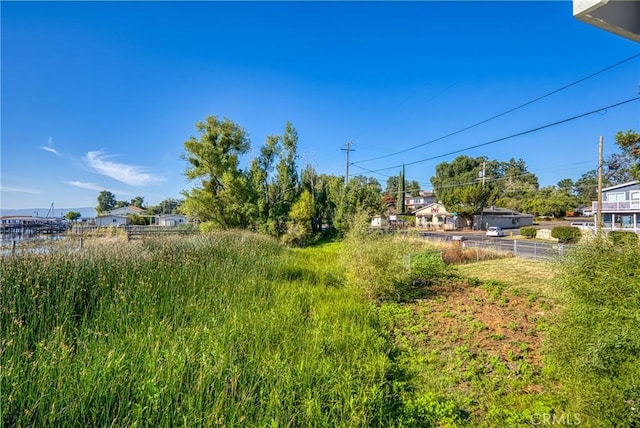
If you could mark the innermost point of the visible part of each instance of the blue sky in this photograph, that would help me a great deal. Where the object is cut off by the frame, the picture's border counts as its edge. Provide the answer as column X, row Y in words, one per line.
column 103, row 95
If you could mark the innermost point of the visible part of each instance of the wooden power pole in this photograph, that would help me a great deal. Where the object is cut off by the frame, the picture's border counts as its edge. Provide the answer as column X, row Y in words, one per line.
column 347, row 149
column 599, row 209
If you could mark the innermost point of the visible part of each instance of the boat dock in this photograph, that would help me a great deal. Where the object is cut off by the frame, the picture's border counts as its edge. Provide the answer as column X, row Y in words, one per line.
column 28, row 227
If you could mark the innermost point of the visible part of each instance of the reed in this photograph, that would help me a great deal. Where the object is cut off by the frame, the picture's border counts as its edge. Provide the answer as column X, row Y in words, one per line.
column 225, row 329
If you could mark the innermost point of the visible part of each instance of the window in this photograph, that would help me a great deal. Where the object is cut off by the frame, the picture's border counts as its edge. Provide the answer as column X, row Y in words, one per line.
column 635, row 195
column 113, row 220
column 616, row 197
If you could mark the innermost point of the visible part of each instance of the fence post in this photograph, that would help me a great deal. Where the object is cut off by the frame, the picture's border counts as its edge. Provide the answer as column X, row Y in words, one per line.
column 13, row 246
column 515, row 248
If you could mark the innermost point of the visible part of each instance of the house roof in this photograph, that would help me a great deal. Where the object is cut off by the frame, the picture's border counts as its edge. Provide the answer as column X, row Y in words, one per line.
column 620, row 186
column 429, row 209
column 504, row 211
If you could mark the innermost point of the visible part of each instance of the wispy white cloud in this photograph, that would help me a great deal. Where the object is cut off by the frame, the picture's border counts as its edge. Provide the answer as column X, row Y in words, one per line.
column 132, row 175
column 49, row 147
column 88, row 186
column 96, row 187
column 18, row 190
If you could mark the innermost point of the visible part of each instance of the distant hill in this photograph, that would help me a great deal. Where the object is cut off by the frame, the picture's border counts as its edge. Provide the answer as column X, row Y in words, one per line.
column 85, row 212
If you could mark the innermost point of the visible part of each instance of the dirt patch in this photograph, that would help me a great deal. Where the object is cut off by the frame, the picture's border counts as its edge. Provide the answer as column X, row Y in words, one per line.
column 487, row 319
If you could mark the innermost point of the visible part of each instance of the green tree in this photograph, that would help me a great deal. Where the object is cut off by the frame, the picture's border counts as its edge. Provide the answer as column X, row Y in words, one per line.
column 274, row 181
column 138, row 201
column 629, row 143
column 361, row 195
column 222, row 190
column 400, row 205
column 551, row 201
column 106, row 201
column 167, row 206
column 72, row 216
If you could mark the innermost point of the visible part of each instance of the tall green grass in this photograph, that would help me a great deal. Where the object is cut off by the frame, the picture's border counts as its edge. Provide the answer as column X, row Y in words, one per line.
column 594, row 347
column 229, row 329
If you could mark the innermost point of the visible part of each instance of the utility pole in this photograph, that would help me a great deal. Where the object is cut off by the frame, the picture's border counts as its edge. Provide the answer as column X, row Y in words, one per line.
column 484, row 173
column 599, row 210
column 347, row 149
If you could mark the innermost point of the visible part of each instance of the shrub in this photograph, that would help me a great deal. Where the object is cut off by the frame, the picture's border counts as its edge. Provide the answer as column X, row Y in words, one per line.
column 594, row 346
column 528, row 232
column 566, row 234
column 384, row 266
column 619, row 237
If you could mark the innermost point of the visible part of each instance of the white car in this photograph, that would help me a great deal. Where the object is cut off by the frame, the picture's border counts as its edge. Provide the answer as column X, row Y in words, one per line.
column 495, row 231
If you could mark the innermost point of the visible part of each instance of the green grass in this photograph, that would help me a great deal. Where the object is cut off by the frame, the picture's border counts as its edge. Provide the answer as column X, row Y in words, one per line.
column 229, row 329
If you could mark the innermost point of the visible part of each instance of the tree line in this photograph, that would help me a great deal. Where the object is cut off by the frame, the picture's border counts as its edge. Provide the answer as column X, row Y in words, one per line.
column 271, row 193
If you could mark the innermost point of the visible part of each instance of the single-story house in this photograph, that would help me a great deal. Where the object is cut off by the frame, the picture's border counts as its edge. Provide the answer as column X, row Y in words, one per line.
column 379, row 221
column 436, row 216
column 170, row 219
column 620, row 207
column 111, row 220
column 501, row 217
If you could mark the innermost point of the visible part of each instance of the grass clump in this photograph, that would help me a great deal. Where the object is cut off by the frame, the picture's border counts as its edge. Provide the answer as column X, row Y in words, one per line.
column 387, row 267
column 226, row 329
column 594, row 346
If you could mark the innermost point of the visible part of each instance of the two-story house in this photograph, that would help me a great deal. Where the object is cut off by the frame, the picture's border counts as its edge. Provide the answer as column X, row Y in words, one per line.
column 621, row 207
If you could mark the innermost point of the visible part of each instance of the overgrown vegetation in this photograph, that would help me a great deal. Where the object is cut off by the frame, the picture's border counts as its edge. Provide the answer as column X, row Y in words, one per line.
column 566, row 234
column 528, row 232
column 595, row 345
column 233, row 329
column 229, row 329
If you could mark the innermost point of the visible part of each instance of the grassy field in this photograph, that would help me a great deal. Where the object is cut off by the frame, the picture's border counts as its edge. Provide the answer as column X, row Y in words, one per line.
column 230, row 329
column 233, row 329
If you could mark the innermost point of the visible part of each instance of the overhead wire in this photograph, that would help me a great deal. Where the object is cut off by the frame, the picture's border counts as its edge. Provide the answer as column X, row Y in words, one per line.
column 503, row 113
column 519, row 134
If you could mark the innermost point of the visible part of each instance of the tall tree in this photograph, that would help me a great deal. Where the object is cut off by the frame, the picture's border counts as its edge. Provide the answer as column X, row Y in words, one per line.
column 106, row 201
column 362, row 194
column 629, row 143
column 400, row 205
column 274, row 179
column 221, row 193
column 138, row 201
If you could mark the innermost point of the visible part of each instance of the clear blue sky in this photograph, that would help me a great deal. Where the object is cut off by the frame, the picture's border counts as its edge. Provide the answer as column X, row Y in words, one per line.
column 103, row 95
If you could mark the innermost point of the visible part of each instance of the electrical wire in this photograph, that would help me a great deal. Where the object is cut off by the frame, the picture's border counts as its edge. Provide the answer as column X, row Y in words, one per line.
column 519, row 134
column 503, row 113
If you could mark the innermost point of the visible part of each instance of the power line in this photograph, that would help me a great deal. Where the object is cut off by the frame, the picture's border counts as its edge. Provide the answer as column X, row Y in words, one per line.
column 519, row 134
column 503, row 113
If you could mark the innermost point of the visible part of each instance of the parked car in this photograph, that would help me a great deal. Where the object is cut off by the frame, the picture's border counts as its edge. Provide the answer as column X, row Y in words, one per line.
column 495, row 231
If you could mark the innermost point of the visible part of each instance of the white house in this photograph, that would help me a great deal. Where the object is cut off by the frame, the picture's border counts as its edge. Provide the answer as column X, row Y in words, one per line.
column 170, row 219
column 436, row 216
column 111, row 220
column 413, row 203
column 620, row 207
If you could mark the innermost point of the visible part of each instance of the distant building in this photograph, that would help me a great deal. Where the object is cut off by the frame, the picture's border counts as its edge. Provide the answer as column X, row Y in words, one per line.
column 111, row 220
column 501, row 217
column 435, row 216
column 170, row 220
column 413, row 203
column 620, row 207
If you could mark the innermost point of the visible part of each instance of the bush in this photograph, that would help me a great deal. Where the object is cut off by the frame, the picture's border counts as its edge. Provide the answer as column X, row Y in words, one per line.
column 619, row 237
column 528, row 232
column 384, row 266
column 566, row 234
column 594, row 346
